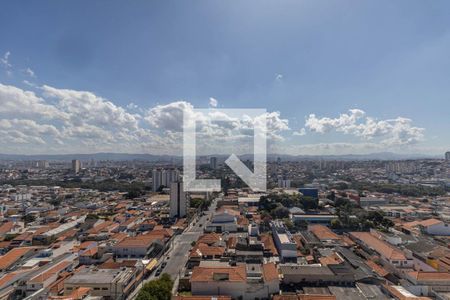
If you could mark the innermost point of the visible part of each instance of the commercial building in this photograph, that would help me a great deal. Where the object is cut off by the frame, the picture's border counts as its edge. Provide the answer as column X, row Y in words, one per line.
column 108, row 283
column 310, row 192
column 286, row 246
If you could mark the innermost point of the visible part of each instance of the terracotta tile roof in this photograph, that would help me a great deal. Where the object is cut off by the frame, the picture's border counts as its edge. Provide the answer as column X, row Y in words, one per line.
column 90, row 252
column 111, row 264
column 4, row 244
column 100, row 227
column 120, row 236
column 231, row 242
column 163, row 231
column 51, row 272
column 323, row 232
column 396, row 292
column 201, row 297
column 316, row 297
column 377, row 268
column 242, row 221
column 430, row 276
column 285, row 297
column 12, row 256
column 201, row 250
column 379, row 246
column 6, row 227
column 10, row 276
column 430, row 222
column 144, row 240
column 304, row 297
column 270, row 272
column 79, row 293
column 347, row 241
column 206, row 274
column 332, row 259
column 269, row 244
column 209, row 238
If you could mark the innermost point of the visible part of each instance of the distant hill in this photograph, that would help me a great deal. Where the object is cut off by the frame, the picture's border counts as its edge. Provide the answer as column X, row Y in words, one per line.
column 169, row 158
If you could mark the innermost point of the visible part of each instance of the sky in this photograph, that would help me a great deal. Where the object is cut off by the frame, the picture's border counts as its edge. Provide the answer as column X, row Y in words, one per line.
column 336, row 77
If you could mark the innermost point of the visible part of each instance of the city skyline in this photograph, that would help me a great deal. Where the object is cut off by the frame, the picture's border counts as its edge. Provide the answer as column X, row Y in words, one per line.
column 351, row 85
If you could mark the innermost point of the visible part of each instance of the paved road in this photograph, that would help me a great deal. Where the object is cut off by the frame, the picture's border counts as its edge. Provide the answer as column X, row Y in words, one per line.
column 177, row 256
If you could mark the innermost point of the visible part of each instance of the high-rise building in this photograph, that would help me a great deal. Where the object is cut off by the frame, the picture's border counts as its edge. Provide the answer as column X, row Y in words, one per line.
column 179, row 201
column 447, row 155
column 163, row 177
column 284, row 183
column 213, row 162
column 42, row 164
column 76, row 166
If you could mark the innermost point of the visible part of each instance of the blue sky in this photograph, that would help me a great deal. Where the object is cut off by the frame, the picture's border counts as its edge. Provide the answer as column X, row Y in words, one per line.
column 389, row 59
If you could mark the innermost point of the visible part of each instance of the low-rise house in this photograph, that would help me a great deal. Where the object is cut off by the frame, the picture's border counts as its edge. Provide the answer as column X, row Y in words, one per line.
column 238, row 282
column 15, row 256
column 47, row 276
column 423, row 283
column 138, row 246
column 108, row 283
column 224, row 220
column 388, row 253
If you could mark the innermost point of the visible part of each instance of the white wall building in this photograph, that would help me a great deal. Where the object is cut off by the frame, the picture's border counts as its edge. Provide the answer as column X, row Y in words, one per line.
column 179, row 202
column 163, row 177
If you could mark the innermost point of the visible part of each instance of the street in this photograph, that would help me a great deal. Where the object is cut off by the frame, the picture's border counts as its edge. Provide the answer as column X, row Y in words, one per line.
column 178, row 254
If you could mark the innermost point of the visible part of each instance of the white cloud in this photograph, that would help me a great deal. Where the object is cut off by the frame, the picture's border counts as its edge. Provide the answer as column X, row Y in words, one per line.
column 86, row 107
column 169, row 117
column 390, row 132
column 278, row 77
column 67, row 121
column 4, row 61
column 300, row 132
column 29, row 72
column 213, row 102
column 19, row 103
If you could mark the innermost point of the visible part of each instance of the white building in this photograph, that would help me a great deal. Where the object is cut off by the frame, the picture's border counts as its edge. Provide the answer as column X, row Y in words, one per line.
column 213, row 162
column 163, row 177
column 76, row 166
column 434, row 227
column 284, row 183
column 239, row 282
column 179, row 202
column 287, row 248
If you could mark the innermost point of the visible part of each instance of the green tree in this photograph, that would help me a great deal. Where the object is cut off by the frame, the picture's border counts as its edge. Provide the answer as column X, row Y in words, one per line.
column 158, row 289
column 280, row 212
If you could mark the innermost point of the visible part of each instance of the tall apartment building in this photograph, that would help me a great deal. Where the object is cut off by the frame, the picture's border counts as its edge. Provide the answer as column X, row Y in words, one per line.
column 284, row 183
column 213, row 162
column 42, row 164
column 164, row 177
column 76, row 166
column 179, row 202
column 447, row 155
